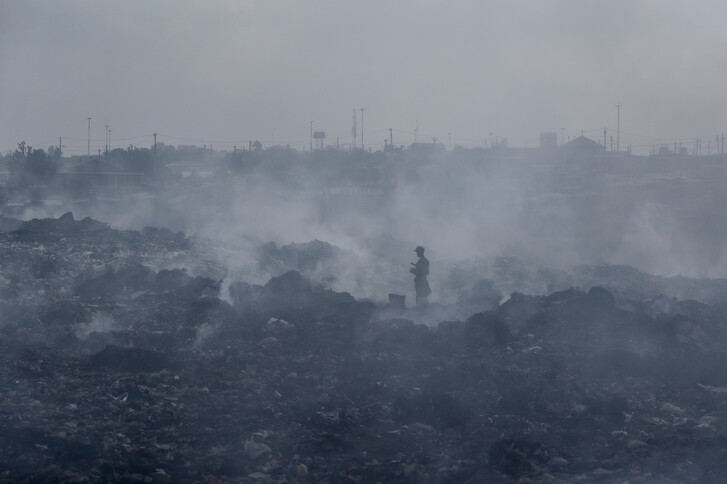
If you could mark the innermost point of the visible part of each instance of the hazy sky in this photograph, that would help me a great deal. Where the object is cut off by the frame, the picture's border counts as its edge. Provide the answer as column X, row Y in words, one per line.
column 225, row 72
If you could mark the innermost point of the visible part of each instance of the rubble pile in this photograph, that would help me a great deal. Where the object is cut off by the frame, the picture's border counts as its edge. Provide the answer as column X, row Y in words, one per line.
column 117, row 368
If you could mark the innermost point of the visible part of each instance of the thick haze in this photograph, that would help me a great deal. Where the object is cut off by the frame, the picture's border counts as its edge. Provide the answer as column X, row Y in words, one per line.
column 225, row 72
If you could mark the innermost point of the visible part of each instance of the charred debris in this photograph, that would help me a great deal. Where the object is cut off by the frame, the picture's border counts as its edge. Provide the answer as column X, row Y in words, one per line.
column 119, row 365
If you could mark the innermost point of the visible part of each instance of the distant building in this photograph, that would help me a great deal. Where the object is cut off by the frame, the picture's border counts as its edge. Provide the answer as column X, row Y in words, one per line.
column 583, row 146
column 189, row 169
column 96, row 173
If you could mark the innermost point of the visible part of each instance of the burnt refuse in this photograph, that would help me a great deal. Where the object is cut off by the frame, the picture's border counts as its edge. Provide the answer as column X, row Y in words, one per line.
column 132, row 356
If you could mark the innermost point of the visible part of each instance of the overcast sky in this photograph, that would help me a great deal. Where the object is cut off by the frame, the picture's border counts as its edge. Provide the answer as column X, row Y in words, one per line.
column 225, row 72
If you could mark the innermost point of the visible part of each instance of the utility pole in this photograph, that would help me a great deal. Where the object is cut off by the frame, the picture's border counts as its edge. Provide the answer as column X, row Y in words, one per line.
column 353, row 129
column 604, row 136
column 311, row 136
column 60, row 147
column 391, row 138
column 618, row 127
column 106, row 140
column 89, row 138
column 362, row 127
column 154, row 168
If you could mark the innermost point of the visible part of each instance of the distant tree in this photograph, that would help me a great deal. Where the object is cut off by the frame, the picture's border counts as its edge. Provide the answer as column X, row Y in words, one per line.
column 29, row 166
column 117, row 157
column 54, row 152
column 138, row 160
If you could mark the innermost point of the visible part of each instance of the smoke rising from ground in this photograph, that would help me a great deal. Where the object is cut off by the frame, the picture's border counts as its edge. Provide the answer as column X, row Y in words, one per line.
column 464, row 206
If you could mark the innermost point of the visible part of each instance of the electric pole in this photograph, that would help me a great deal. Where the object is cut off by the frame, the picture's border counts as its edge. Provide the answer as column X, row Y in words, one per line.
column 89, row 138
column 154, row 168
column 353, row 129
column 362, row 143
column 618, row 128
column 311, row 136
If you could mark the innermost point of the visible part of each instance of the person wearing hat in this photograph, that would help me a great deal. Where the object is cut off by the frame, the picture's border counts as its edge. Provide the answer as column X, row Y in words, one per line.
column 421, row 271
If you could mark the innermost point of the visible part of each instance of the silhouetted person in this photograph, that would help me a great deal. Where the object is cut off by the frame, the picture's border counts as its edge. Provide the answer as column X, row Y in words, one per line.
column 421, row 271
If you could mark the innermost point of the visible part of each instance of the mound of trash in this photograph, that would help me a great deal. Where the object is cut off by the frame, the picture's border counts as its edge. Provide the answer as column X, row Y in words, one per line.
column 116, row 367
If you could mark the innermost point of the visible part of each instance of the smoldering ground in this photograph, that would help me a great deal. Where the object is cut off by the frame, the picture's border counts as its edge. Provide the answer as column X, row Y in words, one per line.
column 245, row 348
column 116, row 370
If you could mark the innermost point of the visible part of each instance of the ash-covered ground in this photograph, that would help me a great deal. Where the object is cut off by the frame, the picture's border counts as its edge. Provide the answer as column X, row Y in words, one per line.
column 140, row 356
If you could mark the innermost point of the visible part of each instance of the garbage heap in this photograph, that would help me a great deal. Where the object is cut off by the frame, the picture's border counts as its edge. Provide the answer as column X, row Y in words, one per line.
column 113, row 369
